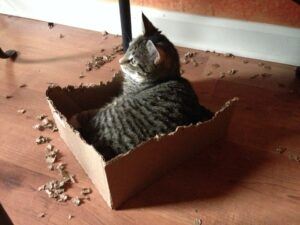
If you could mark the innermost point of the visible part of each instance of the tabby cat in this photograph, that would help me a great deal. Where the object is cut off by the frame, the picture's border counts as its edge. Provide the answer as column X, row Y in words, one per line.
column 155, row 98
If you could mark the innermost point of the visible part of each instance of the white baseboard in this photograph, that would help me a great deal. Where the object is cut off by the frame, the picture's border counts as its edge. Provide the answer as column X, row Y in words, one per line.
column 248, row 39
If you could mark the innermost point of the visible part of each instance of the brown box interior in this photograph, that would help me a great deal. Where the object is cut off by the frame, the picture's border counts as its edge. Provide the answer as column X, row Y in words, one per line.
column 125, row 175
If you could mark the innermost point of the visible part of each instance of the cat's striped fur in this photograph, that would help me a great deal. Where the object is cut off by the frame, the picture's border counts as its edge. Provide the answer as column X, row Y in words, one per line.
column 155, row 98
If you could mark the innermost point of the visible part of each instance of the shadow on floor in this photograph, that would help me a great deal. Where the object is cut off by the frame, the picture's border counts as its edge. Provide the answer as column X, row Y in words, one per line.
column 55, row 58
column 212, row 173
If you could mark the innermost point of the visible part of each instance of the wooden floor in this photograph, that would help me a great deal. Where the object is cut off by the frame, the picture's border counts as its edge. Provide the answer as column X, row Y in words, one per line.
column 241, row 181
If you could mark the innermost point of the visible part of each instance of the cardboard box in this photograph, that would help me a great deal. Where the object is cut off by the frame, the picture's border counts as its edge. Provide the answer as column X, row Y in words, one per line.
column 122, row 177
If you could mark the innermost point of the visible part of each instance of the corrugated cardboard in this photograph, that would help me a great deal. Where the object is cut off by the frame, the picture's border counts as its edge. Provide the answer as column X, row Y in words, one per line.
column 122, row 177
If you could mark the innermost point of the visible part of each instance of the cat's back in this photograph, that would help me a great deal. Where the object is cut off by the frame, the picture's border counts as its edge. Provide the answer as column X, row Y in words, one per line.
column 179, row 97
column 172, row 91
column 132, row 119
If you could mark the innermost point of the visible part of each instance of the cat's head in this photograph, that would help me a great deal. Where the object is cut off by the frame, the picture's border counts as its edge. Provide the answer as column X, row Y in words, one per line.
column 151, row 56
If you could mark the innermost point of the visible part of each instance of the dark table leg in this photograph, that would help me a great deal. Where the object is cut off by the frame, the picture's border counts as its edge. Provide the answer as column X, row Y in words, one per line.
column 124, row 6
column 8, row 54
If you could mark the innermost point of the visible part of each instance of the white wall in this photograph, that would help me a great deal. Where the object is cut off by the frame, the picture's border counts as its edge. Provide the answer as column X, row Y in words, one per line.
column 248, row 39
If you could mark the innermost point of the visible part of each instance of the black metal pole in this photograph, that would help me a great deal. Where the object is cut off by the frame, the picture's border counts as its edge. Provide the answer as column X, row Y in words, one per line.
column 297, row 72
column 124, row 6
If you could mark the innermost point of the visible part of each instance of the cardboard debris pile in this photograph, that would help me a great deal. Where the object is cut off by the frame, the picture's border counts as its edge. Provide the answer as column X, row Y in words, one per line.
column 98, row 61
column 128, row 173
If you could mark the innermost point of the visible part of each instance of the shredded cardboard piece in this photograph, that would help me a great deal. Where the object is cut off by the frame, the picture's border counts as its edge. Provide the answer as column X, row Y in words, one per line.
column 209, row 73
column 76, row 200
column 229, row 55
column 38, row 127
column 291, row 156
column 65, row 174
column 254, row 76
column 41, row 215
column 21, row 111
column 72, row 178
column 183, row 61
column 70, row 217
column 23, row 85
column 215, row 65
column 60, row 166
column 86, row 191
column 117, row 49
column 63, row 197
column 51, row 84
column 45, row 124
column 55, row 189
column 50, row 147
column 40, row 188
column 232, row 72
column 81, row 75
column 104, row 35
column 42, row 140
column 98, row 61
column 294, row 157
column 222, row 75
column 50, row 159
column 188, row 56
column 41, row 116
column 267, row 67
column 51, row 167
column 8, row 96
column 194, row 62
column 266, row 75
column 51, row 155
column 197, row 221
column 280, row 149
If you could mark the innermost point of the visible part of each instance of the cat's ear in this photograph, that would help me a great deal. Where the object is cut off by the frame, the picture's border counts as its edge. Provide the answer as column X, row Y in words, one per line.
column 149, row 29
column 154, row 53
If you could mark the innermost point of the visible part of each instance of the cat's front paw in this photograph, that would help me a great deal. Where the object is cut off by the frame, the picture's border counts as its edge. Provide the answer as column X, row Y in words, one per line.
column 73, row 121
